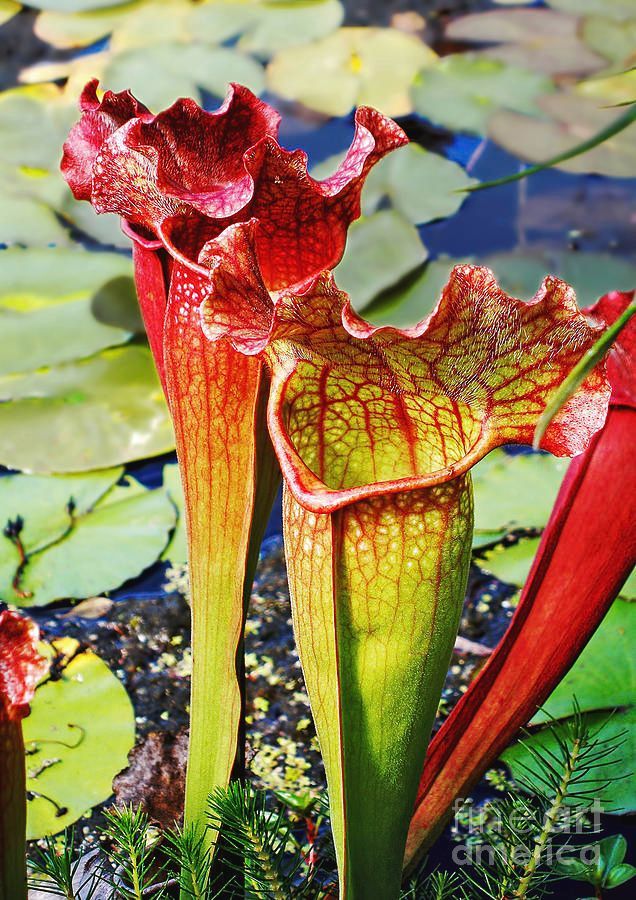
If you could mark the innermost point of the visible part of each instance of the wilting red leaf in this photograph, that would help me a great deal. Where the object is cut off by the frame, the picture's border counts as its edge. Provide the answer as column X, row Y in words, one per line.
column 587, row 551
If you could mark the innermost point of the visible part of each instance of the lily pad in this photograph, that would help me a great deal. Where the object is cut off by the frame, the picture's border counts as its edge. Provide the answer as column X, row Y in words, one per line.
column 511, row 563
column 88, row 414
column 421, row 185
column 573, row 119
column 611, row 90
column 352, row 66
column 628, row 591
column 515, row 491
column 600, row 679
column 120, row 536
column 613, row 785
column 408, row 303
column 47, row 306
column 72, row 6
column 540, row 39
column 8, row 9
column 615, row 40
column 161, row 73
column 462, row 91
column 615, row 9
column 177, row 549
column 77, row 738
column 381, row 249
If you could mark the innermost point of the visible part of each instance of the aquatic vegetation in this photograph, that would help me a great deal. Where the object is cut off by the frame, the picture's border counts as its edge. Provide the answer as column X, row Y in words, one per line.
column 21, row 667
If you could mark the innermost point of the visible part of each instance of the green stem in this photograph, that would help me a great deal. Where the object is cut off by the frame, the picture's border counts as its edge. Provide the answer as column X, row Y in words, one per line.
column 549, row 823
column 13, row 878
column 618, row 125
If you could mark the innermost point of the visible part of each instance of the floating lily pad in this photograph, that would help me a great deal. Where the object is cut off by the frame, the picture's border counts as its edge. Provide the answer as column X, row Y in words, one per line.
column 352, row 66
column 89, row 414
column 615, row 40
column 574, row 119
column 462, row 91
column 177, row 549
column 8, row 9
column 610, row 90
column 161, row 73
column 613, row 785
column 88, row 710
column 604, row 675
column 381, row 249
column 515, row 491
column 408, row 303
column 511, row 563
column 47, row 306
column 421, row 185
column 628, row 591
column 615, row 9
column 120, row 536
column 540, row 39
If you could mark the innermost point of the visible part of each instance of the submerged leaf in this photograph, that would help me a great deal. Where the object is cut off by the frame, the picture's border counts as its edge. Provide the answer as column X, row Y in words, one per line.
column 83, row 415
column 370, row 66
column 77, row 739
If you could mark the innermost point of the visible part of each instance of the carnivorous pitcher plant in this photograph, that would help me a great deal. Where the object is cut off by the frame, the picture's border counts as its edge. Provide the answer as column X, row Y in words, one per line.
column 586, row 552
column 376, row 430
column 178, row 179
column 21, row 667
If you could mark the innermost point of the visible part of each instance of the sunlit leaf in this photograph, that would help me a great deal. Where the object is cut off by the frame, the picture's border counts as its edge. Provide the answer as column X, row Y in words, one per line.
column 539, row 39
column 573, row 119
column 177, row 549
column 615, row 9
column 88, row 710
column 462, row 91
column 610, row 90
column 352, row 66
column 123, row 534
column 613, row 785
column 515, row 491
column 600, row 679
column 381, row 249
column 74, row 5
column 511, row 563
column 615, row 40
column 8, row 9
column 47, row 306
column 83, row 415
column 163, row 72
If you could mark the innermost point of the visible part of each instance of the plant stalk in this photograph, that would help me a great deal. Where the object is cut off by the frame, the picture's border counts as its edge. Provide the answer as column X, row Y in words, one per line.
column 13, row 877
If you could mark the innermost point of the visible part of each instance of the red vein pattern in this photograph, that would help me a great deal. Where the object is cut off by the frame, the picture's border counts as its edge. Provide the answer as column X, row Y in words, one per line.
column 21, row 668
column 587, row 551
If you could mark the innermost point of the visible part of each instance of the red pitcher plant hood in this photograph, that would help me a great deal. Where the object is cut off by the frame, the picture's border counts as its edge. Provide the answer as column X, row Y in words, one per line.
column 21, row 665
column 184, row 175
column 586, row 552
column 357, row 410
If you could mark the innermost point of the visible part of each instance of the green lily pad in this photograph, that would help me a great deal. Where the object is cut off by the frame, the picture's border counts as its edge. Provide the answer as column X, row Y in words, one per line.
column 8, row 9
column 352, row 66
column 79, row 29
column 573, row 119
column 511, row 563
column 381, row 249
column 73, row 6
column 614, row 9
column 421, row 185
column 177, row 549
column 610, row 90
column 88, row 414
column 628, row 591
column 161, row 73
column 540, row 39
column 120, row 536
column 613, row 785
column 515, row 491
column 88, row 709
column 410, row 302
column 615, row 40
column 47, row 306
column 462, row 91
column 604, row 675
